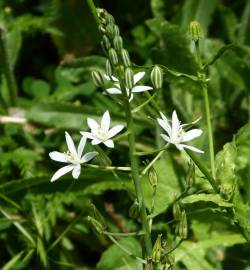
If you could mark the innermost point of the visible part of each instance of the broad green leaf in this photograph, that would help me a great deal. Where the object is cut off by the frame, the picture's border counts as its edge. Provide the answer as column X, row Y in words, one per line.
column 210, row 198
column 115, row 258
column 192, row 254
column 167, row 188
column 225, row 165
column 243, row 36
column 36, row 88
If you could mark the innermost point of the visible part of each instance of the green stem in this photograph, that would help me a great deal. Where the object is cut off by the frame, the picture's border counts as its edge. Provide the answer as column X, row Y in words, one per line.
column 7, row 69
column 93, row 11
column 204, row 170
column 207, row 109
column 152, row 152
column 125, row 249
column 108, row 168
column 135, row 169
column 152, row 162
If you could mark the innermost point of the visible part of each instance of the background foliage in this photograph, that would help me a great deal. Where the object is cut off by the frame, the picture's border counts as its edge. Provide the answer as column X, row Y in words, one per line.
column 53, row 46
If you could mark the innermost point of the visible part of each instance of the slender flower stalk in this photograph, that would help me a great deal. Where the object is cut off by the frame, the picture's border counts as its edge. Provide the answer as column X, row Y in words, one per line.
column 135, row 169
column 203, row 84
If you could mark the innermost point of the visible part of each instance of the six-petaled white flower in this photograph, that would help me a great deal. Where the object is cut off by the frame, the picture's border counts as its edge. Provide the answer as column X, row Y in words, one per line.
column 176, row 133
column 101, row 133
column 73, row 157
column 135, row 89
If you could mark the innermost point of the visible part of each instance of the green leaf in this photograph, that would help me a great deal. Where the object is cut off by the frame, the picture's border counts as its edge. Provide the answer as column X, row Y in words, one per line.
column 158, row 8
column 115, row 258
column 211, row 198
column 168, row 185
column 36, row 88
column 192, row 254
column 13, row 262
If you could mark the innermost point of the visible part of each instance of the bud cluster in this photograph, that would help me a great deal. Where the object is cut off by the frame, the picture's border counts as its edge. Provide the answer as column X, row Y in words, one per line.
column 112, row 42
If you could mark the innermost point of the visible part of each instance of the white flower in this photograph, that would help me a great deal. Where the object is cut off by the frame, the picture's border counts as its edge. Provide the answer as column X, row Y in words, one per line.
column 102, row 133
column 176, row 133
column 135, row 89
column 73, row 157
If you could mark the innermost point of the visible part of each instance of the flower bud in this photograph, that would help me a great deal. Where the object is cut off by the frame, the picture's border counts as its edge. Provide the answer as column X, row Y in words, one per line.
column 110, row 31
column 118, row 43
column 226, row 191
column 113, row 57
column 116, row 30
column 157, row 249
column 156, row 77
column 183, row 229
column 102, row 29
column 108, row 68
column 169, row 260
column 110, row 19
column 152, row 177
column 98, row 216
column 106, row 43
column 97, row 78
column 176, row 211
column 125, row 58
column 195, row 30
column 97, row 226
column 134, row 210
column 129, row 78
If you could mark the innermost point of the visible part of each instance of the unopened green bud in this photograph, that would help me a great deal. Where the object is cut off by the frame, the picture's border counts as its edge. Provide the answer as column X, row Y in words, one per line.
column 108, row 68
column 157, row 249
column 157, row 77
column 176, row 211
column 152, row 177
column 102, row 29
column 106, row 42
column 118, row 43
column 98, row 216
column 183, row 228
column 195, row 31
column 110, row 19
column 97, row 226
column 113, row 57
column 101, row 12
column 125, row 58
column 129, row 78
column 116, row 30
column 169, row 260
column 110, row 31
column 226, row 191
column 97, row 78
column 134, row 210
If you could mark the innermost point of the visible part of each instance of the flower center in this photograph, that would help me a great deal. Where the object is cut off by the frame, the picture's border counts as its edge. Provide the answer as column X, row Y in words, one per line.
column 101, row 134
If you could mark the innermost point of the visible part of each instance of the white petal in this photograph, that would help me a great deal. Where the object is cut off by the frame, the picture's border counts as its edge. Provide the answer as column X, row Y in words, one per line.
column 92, row 123
column 70, row 144
column 95, row 141
column 165, row 138
column 114, row 79
column 114, row 130
column 57, row 156
column 81, row 146
column 175, row 126
column 87, row 135
column 61, row 172
column 109, row 143
column 165, row 125
column 76, row 171
column 141, row 88
column 191, row 148
column 87, row 157
column 191, row 134
column 138, row 76
column 114, row 91
column 106, row 77
column 105, row 123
